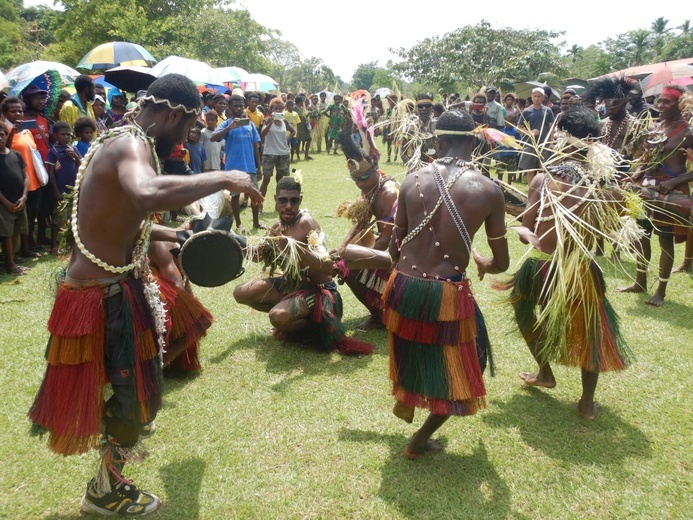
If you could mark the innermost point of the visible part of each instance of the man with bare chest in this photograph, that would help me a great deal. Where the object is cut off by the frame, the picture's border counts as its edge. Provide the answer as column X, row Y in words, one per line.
column 438, row 341
column 109, row 323
column 663, row 168
column 373, row 215
column 303, row 303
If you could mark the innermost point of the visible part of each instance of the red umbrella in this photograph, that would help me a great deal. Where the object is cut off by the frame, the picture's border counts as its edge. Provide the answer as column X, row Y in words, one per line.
column 667, row 75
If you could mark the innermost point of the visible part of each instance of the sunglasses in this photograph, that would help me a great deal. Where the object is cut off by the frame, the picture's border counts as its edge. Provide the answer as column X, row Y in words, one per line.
column 294, row 201
column 425, row 105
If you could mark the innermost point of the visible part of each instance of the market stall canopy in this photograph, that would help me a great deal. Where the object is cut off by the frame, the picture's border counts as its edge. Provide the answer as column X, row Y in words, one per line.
column 676, row 74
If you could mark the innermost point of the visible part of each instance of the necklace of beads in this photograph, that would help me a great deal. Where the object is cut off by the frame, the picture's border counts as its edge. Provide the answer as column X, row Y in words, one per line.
column 619, row 130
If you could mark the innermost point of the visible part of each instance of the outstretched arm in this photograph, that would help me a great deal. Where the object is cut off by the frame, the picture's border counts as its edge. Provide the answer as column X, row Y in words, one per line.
column 152, row 192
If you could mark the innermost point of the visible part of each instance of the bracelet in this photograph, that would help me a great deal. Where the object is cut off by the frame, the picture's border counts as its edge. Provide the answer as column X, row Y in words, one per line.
column 663, row 280
column 641, row 270
column 497, row 238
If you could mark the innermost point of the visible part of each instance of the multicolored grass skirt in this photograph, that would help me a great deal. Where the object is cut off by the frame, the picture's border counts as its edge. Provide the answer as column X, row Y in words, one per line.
column 327, row 332
column 70, row 403
column 586, row 333
column 438, row 344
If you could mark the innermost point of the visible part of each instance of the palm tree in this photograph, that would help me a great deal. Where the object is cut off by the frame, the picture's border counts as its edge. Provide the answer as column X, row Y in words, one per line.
column 574, row 52
column 638, row 46
column 685, row 28
column 660, row 30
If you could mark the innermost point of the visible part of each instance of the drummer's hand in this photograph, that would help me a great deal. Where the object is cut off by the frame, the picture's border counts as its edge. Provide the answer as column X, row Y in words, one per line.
column 240, row 182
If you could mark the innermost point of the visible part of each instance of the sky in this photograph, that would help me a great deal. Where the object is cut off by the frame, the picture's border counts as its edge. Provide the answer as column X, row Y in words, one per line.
column 345, row 35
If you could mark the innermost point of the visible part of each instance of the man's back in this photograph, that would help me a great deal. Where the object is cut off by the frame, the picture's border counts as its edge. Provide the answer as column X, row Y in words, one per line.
column 441, row 251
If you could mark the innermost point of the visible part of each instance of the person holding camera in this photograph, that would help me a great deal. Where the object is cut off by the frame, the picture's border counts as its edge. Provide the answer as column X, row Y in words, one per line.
column 276, row 148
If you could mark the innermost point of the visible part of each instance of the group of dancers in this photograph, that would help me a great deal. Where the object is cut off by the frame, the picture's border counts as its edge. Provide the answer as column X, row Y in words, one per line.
column 124, row 310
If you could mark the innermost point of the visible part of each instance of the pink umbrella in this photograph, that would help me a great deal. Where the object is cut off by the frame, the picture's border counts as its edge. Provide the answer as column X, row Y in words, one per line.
column 666, row 75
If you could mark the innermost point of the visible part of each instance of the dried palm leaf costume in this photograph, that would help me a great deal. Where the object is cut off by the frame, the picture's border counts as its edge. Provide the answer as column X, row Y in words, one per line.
column 326, row 332
column 438, row 340
column 575, row 324
column 111, row 330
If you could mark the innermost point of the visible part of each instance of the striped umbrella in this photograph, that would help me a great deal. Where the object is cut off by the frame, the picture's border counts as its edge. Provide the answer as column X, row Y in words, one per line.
column 114, row 54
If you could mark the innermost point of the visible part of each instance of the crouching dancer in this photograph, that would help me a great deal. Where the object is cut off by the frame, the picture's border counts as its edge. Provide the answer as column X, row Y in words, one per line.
column 438, row 341
column 303, row 303
column 112, row 316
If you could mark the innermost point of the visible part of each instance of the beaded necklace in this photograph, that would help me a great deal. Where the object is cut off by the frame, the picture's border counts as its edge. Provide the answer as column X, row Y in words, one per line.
column 611, row 139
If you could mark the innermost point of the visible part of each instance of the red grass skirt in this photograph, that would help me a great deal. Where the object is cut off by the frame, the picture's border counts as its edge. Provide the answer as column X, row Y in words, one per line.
column 70, row 403
column 436, row 338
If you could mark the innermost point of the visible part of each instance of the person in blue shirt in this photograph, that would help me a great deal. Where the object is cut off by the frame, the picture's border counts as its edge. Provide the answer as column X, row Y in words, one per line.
column 242, row 147
column 85, row 128
column 505, row 156
column 196, row 149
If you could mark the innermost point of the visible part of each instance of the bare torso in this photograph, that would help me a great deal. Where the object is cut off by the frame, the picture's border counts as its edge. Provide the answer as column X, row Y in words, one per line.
column 437, row 253
column 109, row 221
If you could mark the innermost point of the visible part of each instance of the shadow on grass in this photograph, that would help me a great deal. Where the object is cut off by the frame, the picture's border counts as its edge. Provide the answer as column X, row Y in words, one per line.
column 445, row 485
column 556, row 429
column 183, row 481
column 295, row 361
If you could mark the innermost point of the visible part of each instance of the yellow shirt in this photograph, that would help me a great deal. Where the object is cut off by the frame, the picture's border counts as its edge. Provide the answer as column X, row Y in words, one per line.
column 293, row 119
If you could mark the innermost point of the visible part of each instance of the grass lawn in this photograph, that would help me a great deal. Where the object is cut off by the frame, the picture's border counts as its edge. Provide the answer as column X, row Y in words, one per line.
column 271, row 431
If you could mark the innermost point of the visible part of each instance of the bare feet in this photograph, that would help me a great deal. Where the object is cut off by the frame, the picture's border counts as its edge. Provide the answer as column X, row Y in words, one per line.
column 656, row 300
column 18, row 270
column 686, row 267
column 406, row 413
column 635, row 288
column 413, row 452
column 534, row 379
column 588, row 410
column 374, row 321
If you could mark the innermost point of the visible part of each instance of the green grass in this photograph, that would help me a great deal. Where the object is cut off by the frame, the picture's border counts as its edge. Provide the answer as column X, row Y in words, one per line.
column 271, row 431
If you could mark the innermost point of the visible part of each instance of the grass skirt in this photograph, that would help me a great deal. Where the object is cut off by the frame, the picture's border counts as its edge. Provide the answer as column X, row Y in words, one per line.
column 70, row 403
column 438, row 344
column 375, row 281
column 326, row 332
column 583, row 332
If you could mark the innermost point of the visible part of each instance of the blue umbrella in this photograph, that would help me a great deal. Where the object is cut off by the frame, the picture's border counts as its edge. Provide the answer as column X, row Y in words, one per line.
column 35, row 68
column 50, row 81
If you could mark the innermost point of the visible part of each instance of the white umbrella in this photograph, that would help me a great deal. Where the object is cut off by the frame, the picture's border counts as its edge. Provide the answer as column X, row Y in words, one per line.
column 259, row 83
column 3, row 81
column 33, row 69
column 194, row 70
column 232, row 74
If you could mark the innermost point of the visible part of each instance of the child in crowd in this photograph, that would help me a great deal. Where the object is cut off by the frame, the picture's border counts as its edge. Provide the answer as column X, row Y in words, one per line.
column 213, row 150
column 506, row 157
column 85, row 128
column 196, row 150
column 293, row 119
column 14, row 186
column 63, row 161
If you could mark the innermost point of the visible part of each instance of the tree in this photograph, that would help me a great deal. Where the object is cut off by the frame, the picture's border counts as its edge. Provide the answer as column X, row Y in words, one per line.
column 364, row 75
column 660, row 32
column 574, row 52
column 478, row 55
column 283, row 56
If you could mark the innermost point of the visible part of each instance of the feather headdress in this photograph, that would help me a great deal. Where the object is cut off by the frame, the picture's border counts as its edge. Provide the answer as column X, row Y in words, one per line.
column 608, row 87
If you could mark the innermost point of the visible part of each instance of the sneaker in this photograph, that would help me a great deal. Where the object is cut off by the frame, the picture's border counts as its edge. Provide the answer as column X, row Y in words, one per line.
column 124, row 500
